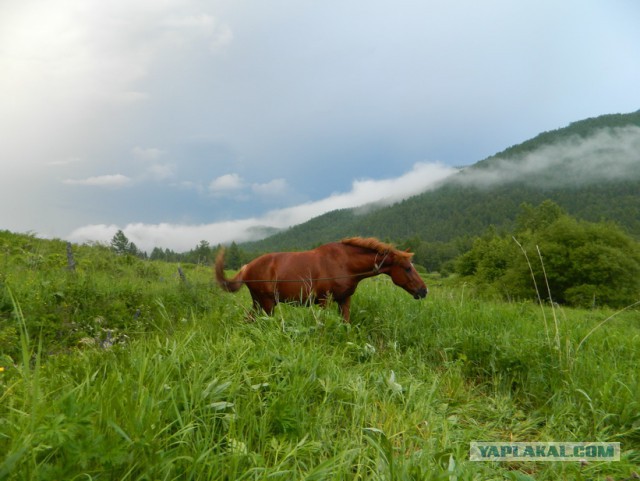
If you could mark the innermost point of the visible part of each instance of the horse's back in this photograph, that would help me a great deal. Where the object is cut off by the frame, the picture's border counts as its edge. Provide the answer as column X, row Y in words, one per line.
column 283, row 265
column 281, row 271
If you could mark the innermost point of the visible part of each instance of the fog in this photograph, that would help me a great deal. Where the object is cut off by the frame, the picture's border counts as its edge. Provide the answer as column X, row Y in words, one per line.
column 607, row 155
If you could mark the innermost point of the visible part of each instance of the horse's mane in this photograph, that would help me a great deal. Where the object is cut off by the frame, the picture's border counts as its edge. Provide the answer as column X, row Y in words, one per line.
column 376, row 245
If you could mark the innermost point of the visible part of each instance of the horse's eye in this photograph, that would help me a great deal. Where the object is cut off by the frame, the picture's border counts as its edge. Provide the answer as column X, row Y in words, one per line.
column 408, row 269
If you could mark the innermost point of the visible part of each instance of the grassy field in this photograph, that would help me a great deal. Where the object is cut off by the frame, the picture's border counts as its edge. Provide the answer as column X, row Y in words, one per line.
column 122, row 370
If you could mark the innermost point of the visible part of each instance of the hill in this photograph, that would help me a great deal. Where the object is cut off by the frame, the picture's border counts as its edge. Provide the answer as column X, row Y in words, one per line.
column 589, row 168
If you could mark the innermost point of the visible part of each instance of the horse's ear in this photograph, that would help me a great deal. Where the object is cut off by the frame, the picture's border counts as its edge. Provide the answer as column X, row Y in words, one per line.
column 407, row 249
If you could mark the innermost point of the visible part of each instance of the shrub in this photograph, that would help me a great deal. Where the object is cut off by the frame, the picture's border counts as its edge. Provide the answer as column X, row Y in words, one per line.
column 583, row 263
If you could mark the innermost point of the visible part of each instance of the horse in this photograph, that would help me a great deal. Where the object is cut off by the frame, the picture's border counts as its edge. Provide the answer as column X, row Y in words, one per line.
column 329, row 272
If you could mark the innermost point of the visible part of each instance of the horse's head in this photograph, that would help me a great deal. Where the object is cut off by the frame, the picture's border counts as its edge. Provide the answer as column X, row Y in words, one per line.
column 404, row 274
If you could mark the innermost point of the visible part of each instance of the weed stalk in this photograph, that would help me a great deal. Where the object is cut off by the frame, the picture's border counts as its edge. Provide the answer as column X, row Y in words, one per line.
column 535, row 285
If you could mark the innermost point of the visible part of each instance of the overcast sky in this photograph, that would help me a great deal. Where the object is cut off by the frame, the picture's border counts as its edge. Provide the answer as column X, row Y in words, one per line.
column 188, row 120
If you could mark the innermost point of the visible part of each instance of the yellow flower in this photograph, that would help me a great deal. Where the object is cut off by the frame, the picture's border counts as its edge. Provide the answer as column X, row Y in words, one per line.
column 1, row 369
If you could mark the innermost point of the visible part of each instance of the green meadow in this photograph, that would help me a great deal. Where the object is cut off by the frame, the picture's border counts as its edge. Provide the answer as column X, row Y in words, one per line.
column 122, row 369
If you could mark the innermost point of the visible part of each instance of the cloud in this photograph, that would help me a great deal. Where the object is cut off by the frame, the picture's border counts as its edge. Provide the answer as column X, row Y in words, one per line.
column 116, row 180
column 608, row 154
column 225, row 184
column 273, row 188
column 74, row 73
column 422, row 177
column 233, row 184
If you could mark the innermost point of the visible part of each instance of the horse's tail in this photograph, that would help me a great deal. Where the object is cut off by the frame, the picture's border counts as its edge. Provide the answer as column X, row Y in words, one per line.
column 229, row 285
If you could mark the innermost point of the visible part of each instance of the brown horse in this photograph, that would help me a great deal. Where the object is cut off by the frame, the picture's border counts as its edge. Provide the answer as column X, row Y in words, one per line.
column 331, row 271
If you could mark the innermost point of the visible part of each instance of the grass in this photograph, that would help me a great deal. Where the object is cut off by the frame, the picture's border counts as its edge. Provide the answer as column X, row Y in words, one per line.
column 185, row 388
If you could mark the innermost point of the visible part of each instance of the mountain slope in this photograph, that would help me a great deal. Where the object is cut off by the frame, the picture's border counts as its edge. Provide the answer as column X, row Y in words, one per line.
column 590, row 168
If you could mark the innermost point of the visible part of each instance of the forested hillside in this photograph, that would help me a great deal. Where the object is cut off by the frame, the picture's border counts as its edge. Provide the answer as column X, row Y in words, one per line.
column 591, row 169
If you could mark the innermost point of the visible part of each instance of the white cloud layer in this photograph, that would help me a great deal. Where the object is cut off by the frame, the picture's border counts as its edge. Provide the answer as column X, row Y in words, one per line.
column 115, row 180
column 608, row 154
column 180, row 238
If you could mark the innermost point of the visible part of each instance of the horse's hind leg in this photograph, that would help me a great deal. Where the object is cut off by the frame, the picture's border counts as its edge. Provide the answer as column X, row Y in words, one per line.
column 255, row 310
column 265, row 302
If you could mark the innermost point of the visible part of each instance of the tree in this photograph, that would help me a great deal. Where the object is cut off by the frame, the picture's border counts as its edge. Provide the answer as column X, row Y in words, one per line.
column 537, row 218
column 233, row 257
column 590, row 263
column 583, row 263
column 120, row 245
column 203, row 254
column 157, row 254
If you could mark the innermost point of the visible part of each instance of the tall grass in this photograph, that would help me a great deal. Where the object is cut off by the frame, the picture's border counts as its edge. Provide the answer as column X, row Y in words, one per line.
column 197, row 392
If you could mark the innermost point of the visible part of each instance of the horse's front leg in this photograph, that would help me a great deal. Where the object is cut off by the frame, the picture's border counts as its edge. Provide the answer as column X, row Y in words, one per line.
column 344, row 304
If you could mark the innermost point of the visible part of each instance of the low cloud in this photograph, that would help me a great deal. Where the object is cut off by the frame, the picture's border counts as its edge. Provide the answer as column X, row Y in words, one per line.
column 422, row 177
column 116, row 180
column 607, row 155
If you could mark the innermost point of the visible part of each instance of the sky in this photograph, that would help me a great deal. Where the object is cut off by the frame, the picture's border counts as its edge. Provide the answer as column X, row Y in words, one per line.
column 186, row 120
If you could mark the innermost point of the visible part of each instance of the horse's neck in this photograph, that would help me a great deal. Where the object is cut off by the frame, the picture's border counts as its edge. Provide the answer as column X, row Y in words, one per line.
column 366, row 262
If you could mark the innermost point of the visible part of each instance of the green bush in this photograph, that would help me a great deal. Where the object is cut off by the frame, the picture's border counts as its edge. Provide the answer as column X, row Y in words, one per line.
column 575, row 262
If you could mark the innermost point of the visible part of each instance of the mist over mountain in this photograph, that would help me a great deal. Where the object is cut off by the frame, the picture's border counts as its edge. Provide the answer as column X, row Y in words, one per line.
column 591, row 168
column 608, row 154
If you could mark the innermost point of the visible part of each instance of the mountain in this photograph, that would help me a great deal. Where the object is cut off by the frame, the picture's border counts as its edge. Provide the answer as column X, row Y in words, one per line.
column 591, row 168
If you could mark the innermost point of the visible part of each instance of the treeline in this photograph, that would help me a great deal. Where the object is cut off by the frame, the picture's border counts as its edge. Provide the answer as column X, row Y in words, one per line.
column 203, row 253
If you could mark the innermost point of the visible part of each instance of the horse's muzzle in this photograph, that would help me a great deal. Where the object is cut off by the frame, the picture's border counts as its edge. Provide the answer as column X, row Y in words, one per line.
column 420, row 294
